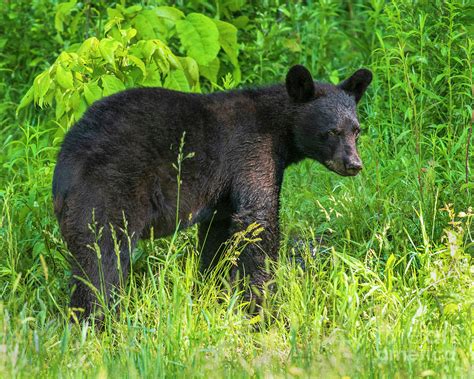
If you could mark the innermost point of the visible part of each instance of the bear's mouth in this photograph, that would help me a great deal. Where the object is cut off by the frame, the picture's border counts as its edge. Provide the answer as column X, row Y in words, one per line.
column 339, row 168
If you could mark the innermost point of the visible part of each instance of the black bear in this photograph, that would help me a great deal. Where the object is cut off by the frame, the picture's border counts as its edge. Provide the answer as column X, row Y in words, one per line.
column 115, row 169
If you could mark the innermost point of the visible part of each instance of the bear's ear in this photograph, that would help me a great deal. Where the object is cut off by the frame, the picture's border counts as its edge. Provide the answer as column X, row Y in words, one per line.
column 299, row 84
column 357, row 83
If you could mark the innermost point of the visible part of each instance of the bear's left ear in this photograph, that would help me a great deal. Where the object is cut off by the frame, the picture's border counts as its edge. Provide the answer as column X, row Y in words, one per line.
column 357, row 83
column 299, row 84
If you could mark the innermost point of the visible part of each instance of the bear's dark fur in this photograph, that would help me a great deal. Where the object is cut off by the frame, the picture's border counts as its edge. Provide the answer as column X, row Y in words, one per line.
column 115, row 169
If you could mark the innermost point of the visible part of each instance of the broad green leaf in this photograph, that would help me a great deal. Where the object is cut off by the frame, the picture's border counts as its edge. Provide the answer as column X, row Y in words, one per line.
column 74, row 100
column 41, row 85
column 233, row 5
column 107, row 48
column 62, row 11
column 59, row 134
column 153, row 77
column 78, row 76
column 176, row 80
column 240, row 22
column 166, row 56
column 138, row 62
column 211, row 71
column 237, row 75
column 147, row 48
column 191, row 68
column 60, row 105
column 64, row 77
column 199, row 36
column 127, row 35
column 111, row 84
column 92, row 92
column 89, row 46
column 166, row 21
column 132, row 9
column 48, row 98
column 115, row 13
column 144, row 25
column 228, row 40
column 65, row 58
column 109, row 26
column 26, row 100
column 169, row 13
column 80, row 109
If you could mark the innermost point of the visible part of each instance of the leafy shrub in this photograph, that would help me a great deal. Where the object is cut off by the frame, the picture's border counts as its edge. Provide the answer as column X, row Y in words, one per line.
column 135, row 51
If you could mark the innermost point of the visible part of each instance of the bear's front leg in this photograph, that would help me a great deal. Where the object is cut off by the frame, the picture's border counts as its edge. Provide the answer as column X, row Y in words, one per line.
column 252, row 260
column 258, row 203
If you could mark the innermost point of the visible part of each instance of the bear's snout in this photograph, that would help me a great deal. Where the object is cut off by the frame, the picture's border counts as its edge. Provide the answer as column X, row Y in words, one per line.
column 353, row 166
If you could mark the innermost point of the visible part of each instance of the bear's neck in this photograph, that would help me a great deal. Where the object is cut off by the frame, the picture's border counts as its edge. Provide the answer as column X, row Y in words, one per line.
column 275, row 114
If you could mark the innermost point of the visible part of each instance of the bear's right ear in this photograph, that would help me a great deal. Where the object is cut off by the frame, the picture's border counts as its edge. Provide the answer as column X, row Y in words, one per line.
column 299, row 84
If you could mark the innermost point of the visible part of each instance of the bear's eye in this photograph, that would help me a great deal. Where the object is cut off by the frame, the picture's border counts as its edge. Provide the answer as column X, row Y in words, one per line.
column 334, row 132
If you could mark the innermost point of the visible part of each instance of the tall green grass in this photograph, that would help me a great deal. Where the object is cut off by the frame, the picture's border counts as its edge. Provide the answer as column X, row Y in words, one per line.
column 388, row 293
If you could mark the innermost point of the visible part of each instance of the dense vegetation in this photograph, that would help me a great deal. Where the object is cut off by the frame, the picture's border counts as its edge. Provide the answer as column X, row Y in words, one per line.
column 383, row 286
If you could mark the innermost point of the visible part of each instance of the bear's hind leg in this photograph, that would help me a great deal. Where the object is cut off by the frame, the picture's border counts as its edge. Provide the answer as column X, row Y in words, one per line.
column 98, row 269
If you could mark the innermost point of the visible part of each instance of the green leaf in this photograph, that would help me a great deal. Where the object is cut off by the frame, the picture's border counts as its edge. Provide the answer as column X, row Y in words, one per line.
column 59, row 135
column 63, row 10
column 165, row 57
column 144, row 25
column 169, row 13
column 240, row 22
column 115, row 13
column 60, row 105
column 64, row 77
column 176, row 80
column 107, row 47
column 80, row 109
column 26, row 100
column 138, row 62
column 132, row 9
column 166, row 18
column 190, row 68
column 145, row 48
column 111, row 85
column 211, row 70
column 92, row 92
column 200, row 37
column 74, row 100
column 233, row 5
column 153, row 77
column 88, row 47
column 41, row 85
column 228, row 40
column 236, row 75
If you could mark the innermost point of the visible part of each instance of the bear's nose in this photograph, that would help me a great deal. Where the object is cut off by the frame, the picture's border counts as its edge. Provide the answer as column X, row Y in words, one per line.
column 353, row 167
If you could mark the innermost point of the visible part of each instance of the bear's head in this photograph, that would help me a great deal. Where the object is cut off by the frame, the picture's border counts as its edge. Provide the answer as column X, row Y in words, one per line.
column 325, row 125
